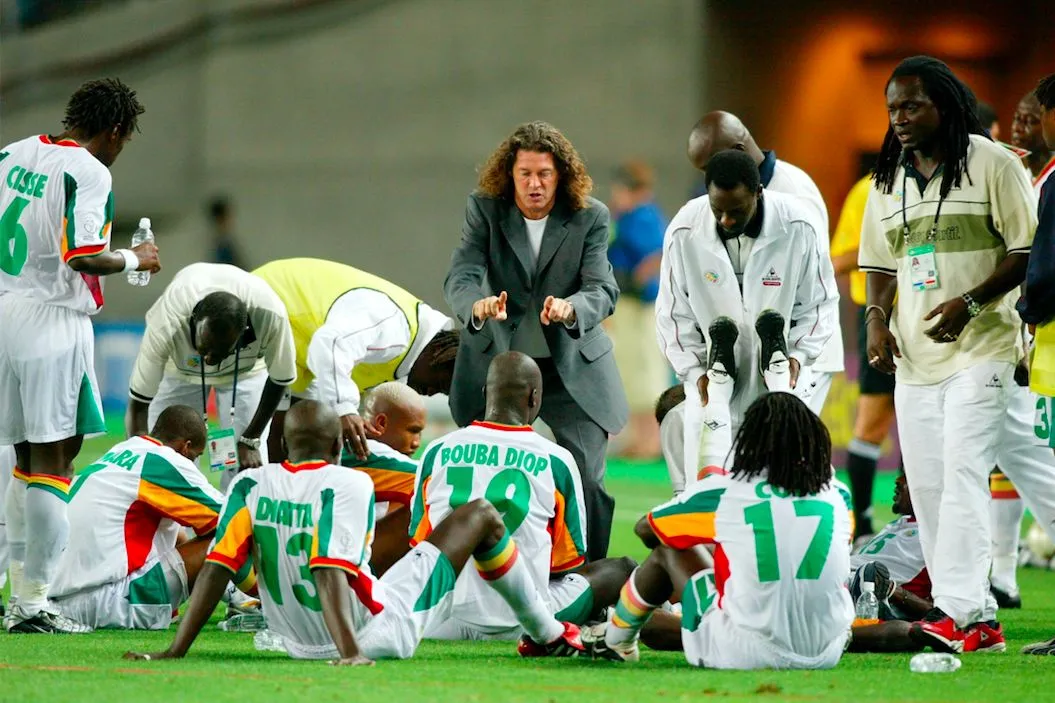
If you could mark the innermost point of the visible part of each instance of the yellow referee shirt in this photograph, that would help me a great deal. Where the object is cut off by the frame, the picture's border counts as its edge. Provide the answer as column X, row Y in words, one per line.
column 847, row 237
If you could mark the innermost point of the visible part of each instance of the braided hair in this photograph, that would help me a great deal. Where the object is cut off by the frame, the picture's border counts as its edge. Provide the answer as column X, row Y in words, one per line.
column 1045, row 92
column 957, row 106
column 783, row 439
column 100, row 105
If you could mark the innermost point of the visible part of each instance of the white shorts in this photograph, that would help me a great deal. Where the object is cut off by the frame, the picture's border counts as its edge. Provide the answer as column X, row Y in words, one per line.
column 570, row 600
column 143, row 600
column 710, row 640
column 48, row 390
column 417, row 592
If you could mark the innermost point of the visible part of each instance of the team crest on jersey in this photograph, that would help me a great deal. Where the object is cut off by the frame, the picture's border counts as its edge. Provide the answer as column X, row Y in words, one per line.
column 772, row 278
column 192, row 362
column 711, row 277
column 90, row 227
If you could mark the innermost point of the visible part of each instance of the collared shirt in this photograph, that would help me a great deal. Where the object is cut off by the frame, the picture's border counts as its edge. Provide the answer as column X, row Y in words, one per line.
column 991, row 215
column 739, row 248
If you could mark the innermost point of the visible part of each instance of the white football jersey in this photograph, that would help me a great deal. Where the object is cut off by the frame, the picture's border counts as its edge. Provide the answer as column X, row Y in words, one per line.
column 128, row 506
column 781, row 562
column 287, row 519
column 55, row 205
column 898, row 547
column 533, row 482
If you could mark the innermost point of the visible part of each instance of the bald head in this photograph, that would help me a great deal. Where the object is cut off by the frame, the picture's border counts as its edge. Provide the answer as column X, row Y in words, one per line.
column 312, row 431
column 398, row 412
column 514, row 389
column 182, row 428
column 718, row 131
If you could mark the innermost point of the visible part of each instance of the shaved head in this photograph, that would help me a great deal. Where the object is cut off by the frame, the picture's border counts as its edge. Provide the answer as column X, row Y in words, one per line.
column 398, row 412
column 514, row 389
column 312, row 431
column 718, row 131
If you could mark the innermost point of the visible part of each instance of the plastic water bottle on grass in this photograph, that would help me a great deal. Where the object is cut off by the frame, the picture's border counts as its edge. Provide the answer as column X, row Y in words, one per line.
column 934, row 663
column 143, row 234
column 867, row 607
column 249, row 622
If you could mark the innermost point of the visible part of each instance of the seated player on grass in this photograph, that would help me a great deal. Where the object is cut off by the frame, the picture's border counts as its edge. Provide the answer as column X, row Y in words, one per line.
column 670, row 416
column 893, row 561
column 774, row 594
column 398, row 413
column 127, row 565
column 308, row 524
column 535, row 485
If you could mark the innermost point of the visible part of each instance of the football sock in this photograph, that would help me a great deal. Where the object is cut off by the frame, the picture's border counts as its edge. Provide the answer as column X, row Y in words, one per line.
column 777, row 373
column 629, row 616
column 1005, row 513
column 47, row 531
column 502, row 567
column 15, row 515
column 716, row 438
column 861, row 463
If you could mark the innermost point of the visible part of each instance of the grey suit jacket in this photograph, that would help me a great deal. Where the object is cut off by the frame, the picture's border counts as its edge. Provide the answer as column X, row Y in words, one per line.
column 572, row 264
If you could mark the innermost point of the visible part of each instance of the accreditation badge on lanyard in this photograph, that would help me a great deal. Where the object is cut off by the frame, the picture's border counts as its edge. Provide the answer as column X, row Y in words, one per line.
column 221, row 443
column 923, row 267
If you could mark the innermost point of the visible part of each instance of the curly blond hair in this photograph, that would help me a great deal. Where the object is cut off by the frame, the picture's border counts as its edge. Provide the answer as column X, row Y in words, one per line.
column 573, row 183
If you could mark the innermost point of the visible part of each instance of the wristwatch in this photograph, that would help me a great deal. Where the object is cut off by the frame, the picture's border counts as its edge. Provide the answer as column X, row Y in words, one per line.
column 251, row 442
column 973, row 308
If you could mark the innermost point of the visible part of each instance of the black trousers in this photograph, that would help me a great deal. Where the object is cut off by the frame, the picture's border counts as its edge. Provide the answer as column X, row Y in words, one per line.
column 588, row 443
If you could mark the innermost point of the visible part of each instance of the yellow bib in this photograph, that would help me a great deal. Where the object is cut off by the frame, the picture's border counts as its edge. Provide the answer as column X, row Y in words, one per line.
column 1042, row 367
column 309, row 288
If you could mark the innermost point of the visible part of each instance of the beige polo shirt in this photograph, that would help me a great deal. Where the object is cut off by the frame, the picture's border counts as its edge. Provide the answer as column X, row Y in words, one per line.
column 991, row 215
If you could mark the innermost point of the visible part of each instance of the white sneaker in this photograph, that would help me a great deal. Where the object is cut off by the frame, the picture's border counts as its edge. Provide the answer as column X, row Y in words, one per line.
column 47, row 621
column 596, row 648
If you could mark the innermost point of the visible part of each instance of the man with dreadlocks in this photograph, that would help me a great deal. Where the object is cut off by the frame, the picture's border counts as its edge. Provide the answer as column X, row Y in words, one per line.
column 353, row 331
column 774, row 594
column 56, row 209
column 947, row 230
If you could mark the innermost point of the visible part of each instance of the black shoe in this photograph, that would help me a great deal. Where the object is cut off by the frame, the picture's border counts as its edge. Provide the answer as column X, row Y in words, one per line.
column 1005, row 599
column 723, row 335
column 877, row 573
column 1041, row 648
column 770, row 329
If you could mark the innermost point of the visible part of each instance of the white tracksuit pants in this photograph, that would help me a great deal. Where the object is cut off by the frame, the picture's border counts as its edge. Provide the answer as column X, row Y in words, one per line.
column 950, row 435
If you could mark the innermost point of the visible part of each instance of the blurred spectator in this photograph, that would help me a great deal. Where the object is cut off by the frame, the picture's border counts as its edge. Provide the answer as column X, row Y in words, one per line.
column 635, row 251
column 221, row 220
column 987, row 116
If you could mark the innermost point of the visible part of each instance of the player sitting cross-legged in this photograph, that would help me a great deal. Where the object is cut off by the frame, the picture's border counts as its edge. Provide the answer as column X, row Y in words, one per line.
column 535, row 485
column 126, row 565
column 308, row 524
column 774, row 595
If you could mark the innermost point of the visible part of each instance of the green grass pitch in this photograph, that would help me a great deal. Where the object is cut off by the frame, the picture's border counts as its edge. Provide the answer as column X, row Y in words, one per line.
column 225, row 667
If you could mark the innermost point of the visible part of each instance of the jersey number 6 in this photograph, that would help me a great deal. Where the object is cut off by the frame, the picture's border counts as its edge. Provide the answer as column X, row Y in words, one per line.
column 14, row 244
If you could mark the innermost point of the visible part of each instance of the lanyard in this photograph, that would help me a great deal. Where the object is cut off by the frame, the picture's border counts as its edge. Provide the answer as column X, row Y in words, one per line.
column 932, row 235
column 205, row 389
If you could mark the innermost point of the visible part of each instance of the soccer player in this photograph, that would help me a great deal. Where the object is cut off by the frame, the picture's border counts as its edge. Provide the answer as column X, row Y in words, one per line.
column 774, row 594
column 718, row 131
column 56, row 209
column 398, row 413
column 309, row 526
column 126, row 565
column 7, row 465
column 215, row 326
column 742, row 273
column 353, row 331
column 952, row 259
column 670, row 416
column 535, row 485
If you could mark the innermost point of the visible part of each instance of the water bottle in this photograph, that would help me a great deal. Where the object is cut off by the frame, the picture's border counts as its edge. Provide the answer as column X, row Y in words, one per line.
column 867, row 607
column 250, row 622
column 934, row 663
column 267, row 641
column 143, row 234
